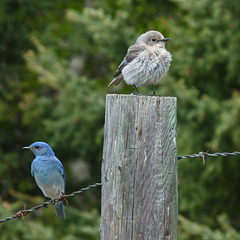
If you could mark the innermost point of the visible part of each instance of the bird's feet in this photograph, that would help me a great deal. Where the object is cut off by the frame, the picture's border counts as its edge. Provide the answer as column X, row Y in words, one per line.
column 44, row 203
column 154, row 94
column 62, row 198
column 138, row 93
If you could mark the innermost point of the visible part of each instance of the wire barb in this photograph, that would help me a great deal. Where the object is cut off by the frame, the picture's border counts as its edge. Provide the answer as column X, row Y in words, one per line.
column 205, row 155
column 24, row 212
column 21, row 214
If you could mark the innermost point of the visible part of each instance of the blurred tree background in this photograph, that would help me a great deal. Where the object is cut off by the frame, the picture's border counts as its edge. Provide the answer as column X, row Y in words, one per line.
column 56, row 59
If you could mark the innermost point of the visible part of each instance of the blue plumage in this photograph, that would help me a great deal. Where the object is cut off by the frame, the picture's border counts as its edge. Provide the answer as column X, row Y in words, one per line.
column 49, row 173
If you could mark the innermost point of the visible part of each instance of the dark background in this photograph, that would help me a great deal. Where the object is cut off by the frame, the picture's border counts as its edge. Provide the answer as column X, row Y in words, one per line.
column 56, row 60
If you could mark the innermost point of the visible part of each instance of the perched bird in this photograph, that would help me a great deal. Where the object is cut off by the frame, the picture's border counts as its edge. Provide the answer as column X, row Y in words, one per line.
column 146, row 62
column 49, row 173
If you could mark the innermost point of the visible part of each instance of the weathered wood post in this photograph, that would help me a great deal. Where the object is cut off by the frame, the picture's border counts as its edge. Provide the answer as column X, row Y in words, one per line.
column 139, row 169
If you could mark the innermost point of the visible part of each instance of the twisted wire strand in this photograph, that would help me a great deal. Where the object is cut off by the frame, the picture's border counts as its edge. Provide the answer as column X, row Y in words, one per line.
column 24, row 212
column 204, row 155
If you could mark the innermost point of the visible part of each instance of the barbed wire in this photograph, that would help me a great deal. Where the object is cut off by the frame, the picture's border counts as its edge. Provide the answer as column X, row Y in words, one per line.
column 205, row 155
column 24, row 212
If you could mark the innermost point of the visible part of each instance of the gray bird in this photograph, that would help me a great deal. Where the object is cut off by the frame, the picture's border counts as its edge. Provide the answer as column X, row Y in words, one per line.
column 146, row 62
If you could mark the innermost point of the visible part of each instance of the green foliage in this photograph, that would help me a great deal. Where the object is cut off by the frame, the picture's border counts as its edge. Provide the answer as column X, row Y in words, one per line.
column 206, row 53
column 56, row 59
column 42, row 225
column 192, row 230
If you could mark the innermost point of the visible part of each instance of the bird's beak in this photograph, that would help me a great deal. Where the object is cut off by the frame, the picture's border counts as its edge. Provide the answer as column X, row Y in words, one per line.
column 166, row 39
column 26, row 148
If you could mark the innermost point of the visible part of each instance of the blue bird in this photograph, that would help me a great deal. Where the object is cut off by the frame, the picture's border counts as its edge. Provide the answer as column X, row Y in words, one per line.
column 49, row 173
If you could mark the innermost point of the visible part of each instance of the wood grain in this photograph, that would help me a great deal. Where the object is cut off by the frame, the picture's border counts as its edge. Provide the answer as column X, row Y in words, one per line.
column 139, row 169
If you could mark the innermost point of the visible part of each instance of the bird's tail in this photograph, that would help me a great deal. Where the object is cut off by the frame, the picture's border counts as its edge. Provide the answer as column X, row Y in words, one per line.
column 59, row 209
column 116, row 80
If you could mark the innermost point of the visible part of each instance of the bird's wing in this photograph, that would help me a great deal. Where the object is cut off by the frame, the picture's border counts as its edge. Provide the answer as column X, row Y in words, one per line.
column 132, row 53
column 61, row 169
column 32, row 171
column 53, row 161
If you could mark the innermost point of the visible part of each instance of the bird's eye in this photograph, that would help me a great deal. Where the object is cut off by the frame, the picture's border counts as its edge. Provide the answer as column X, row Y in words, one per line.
column 37, row 147
column 153, row 40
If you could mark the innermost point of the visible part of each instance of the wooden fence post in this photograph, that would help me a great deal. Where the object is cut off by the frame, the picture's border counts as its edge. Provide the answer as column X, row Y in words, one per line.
column 139, row 169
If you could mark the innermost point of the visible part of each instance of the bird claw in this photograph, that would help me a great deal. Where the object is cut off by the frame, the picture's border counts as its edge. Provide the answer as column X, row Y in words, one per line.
column 64, row 199
column 44, row 203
